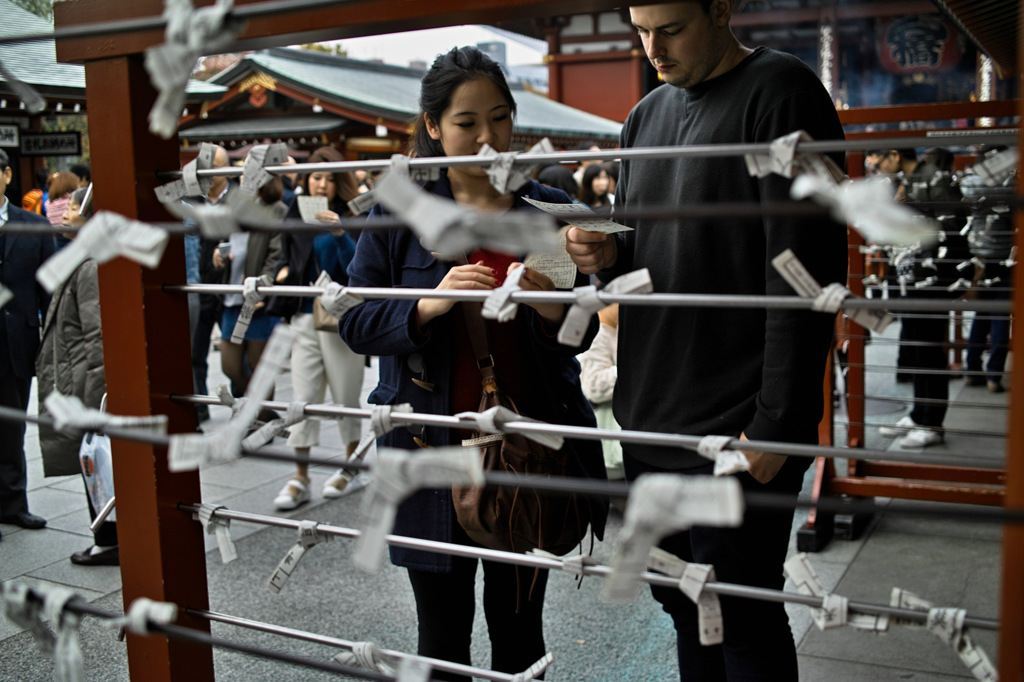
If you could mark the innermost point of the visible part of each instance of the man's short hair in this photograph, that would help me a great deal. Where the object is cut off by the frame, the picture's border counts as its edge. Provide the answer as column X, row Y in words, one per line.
column 82, row 171
column 5, row 161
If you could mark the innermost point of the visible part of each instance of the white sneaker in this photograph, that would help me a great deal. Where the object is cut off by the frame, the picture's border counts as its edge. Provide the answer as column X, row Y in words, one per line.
column 342, row 483
column 336, row 484
column 921, row 438
column 900, row 428
column 294, row 493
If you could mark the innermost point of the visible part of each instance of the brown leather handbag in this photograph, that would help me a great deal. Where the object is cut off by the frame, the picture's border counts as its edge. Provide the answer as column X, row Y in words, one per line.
column 515, row 519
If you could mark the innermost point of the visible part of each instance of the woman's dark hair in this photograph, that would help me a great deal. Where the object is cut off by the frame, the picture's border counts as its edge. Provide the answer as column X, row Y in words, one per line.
column 460, row 65
column 346, row 188
column 77, row 197
column 587, row 195
column 561, row 178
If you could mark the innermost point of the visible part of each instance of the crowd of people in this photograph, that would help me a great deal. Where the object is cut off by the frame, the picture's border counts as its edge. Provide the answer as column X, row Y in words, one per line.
column 753, row 374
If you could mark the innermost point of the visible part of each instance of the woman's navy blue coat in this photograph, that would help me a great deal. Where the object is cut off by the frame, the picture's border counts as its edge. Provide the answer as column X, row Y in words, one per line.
column 395, row 258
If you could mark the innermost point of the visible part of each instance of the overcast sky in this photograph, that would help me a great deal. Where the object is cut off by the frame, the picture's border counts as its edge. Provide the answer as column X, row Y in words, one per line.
column 402, row 48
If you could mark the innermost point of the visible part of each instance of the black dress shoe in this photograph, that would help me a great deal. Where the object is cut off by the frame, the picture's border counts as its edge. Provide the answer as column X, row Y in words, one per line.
column 108, row 557
column 25, row 520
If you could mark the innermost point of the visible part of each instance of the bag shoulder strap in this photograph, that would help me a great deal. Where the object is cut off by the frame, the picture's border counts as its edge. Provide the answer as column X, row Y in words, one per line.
column 477, row 333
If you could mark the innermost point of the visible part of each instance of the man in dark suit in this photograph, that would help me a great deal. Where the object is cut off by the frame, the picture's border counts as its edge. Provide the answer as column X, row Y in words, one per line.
column 20, row 257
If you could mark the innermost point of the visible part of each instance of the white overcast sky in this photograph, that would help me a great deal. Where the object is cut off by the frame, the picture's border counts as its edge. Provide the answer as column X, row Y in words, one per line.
column 402, row 48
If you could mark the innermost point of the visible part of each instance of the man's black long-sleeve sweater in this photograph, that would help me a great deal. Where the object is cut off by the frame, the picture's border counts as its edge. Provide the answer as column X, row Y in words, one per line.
column 717, row 370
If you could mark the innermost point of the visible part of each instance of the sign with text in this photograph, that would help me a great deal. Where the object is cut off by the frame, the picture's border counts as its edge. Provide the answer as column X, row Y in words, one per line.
column 8, row 135
column 51, row 144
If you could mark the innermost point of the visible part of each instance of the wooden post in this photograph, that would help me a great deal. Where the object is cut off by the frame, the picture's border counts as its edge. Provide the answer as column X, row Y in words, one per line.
column 1011, row 612
column 146, row 356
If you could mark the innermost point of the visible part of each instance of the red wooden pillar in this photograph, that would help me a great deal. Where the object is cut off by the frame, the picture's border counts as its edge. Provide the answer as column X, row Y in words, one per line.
column 147, row 356
column 1011, row 613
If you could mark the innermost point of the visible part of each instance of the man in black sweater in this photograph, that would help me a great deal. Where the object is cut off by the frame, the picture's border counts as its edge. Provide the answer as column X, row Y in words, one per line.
column 750, row 373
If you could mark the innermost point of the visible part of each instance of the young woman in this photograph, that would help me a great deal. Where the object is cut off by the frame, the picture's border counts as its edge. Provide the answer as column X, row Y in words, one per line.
column 251, row 254
column 70, row 361
column 595, row 189
column 320, row 358
column 426, row 360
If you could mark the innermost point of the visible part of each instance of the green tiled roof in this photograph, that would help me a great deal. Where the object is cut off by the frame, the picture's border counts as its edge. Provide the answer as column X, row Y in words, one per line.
column 276, row 125
column 392, row 91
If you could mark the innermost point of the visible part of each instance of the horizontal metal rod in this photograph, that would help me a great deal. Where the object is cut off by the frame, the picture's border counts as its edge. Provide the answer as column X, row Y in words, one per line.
column 929, row 401
column 1009, row 137
column 533, row 561
column 435, row 663
column 197, row 637
column 953, row 373
column 654, row 299
column 80, row 606
column 673, row 440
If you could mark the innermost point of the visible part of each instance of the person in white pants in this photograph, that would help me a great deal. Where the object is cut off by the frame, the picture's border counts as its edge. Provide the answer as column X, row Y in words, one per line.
column 319, row 357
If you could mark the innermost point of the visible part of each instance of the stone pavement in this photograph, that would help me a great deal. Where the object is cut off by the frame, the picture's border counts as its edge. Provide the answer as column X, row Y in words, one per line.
column 950, row 562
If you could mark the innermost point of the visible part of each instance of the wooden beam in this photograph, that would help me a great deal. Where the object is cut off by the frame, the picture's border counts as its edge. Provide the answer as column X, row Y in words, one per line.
column 342, row 20
column 928, row 112
column 860, row 11
column 146, row 358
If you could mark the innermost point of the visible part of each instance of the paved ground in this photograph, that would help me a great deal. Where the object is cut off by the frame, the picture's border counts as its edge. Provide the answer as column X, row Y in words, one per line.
column 949, row 562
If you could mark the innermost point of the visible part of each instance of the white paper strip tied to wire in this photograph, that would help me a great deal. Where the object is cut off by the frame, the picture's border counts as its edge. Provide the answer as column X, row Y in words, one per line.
column 948, row 625
column 994, row 170
column 363, row 203
column 494, row 420
column 868, row 205
column 574, row 565
column 413, row 670
column 505, row 174
column 106, row 236
column 255, row 173
column 588, row 302
column 70, row 415
column 727, row 461
column 221, row 527
column 189, row 184
column 499, row 305
column 24, row 611
column 336, row 299
column 783, row 158
column 309, row 536
column 396, row 475
column 34, row 102
column 145, row 611
column 368, row 655
column 447, row 228
column 380, row 425
column 190, row 33
column 221, row 220
column 50, row 604
column 250, row 297
column 188, row 451
column 266, row 433
column 693, row 578
column 662, row 504
column 828, row 299
column 835, row 609
column 67, row 651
